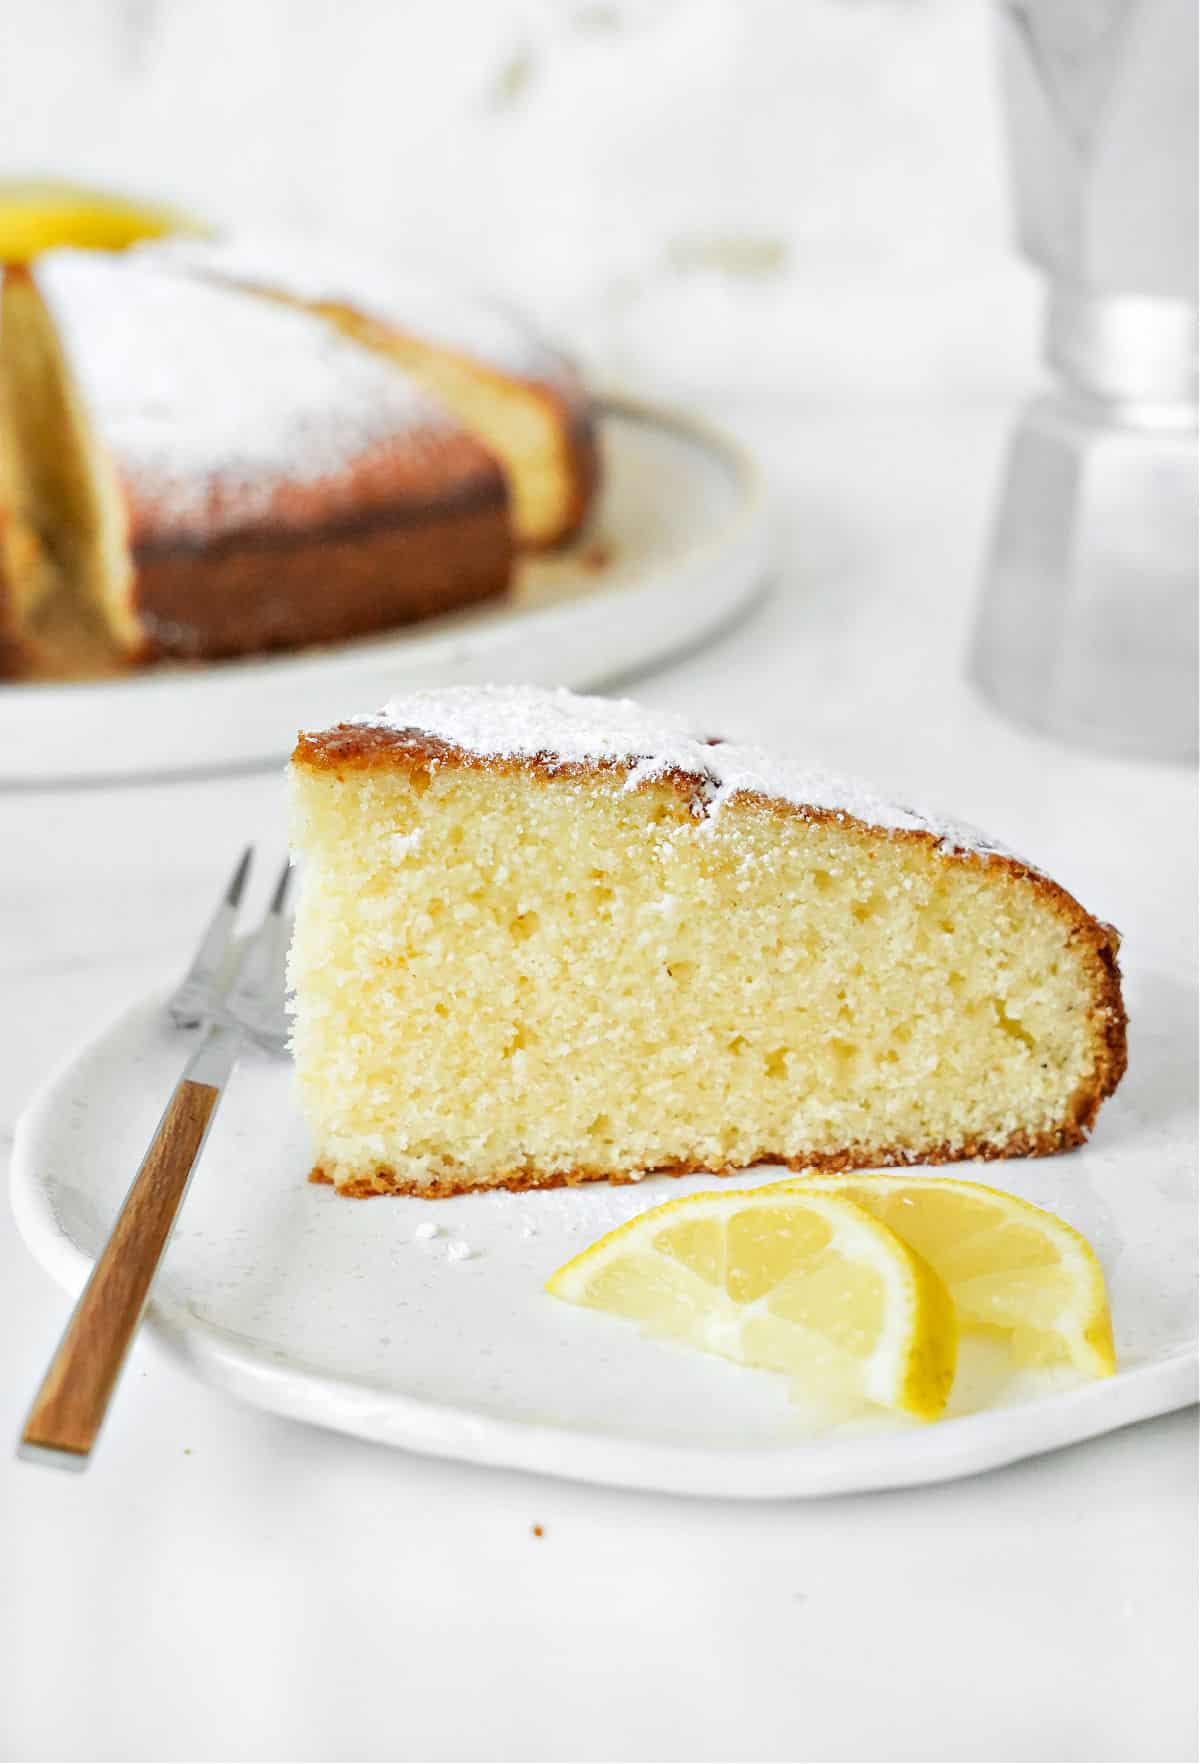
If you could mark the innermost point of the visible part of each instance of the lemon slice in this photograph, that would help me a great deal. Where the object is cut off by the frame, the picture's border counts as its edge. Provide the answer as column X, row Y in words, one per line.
column 1009, row 1266
column 806, row 1284
column 37, row 216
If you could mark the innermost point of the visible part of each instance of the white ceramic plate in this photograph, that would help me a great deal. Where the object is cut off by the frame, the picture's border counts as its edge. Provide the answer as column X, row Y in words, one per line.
column 681, row 523
column 332, row 1311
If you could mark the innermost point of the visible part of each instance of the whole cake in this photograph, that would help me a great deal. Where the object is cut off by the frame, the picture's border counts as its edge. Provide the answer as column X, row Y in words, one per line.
column 192, row 467
column 207, row 474
column 547, row 939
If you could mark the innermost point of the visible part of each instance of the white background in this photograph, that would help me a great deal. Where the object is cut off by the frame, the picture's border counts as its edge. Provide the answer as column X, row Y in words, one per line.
column 791, row 216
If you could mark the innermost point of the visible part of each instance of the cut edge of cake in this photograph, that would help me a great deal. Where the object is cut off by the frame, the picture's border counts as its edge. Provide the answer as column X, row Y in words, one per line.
column 66, row 565
column 542, row 434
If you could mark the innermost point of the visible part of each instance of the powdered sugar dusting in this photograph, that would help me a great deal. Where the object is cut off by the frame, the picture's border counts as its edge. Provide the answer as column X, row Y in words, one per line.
column 207, row 396
column 561, row 729
column 329, row 270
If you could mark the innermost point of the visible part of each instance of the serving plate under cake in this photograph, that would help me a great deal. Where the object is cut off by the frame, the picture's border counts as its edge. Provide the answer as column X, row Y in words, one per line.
column 333, row 1311
column 678, row 544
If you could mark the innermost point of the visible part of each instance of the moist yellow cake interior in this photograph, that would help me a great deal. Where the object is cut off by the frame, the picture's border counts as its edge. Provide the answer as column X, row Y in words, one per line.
column 518, row 425
column 501, row 972
column 65, row 558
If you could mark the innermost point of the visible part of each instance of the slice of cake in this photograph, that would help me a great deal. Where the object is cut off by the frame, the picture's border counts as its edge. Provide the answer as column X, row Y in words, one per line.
column 197, row 472
column 545, row 939
column 519, row 397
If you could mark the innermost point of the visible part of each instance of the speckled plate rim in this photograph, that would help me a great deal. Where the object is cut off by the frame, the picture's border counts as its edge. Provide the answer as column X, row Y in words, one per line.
column 831, row 1465
column 246, row 712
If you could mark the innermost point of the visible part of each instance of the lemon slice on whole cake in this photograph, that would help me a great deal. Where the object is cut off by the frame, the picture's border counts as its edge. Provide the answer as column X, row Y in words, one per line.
column 1010, row 1267
column 806, row 1284
column 37, row 215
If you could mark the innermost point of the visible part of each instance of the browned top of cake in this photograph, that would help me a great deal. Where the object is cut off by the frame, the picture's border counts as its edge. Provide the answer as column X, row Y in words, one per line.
column 391, row 301
column 223, row 413
column 404, row 481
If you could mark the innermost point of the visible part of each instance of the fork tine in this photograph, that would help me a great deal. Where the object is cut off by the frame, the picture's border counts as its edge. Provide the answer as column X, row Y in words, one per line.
column 279, row 898
column 256, row 999
column 194, row 997
column 237, row 882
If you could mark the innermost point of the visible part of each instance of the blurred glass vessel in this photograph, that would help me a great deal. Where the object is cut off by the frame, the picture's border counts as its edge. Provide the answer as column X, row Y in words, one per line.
column 1087, row 621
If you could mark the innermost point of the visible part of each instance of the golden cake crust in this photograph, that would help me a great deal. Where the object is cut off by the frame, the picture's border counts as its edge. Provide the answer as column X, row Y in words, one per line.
column 406, row 534
column 353, row 747
column 582, row 436
column 412, row 474
column 1018, row 1145
column 349, row 578
column 563, row 396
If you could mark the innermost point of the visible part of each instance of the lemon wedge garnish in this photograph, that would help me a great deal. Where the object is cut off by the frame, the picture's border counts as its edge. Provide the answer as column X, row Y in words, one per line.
column 1010, row 1267
column 36, row 216
column 802, row 1283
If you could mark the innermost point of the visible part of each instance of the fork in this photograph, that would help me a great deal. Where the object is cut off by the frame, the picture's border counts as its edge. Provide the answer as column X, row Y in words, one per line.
column 236, row 995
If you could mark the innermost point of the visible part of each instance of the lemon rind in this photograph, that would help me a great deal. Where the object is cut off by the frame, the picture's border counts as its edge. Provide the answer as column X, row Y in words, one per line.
column 917, row 1375
column 1087, row 1337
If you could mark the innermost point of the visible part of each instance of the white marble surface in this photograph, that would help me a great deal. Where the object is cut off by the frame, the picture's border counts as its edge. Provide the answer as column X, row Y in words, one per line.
column 798, row 227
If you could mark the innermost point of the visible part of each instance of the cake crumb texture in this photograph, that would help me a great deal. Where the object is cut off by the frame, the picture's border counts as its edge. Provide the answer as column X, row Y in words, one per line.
column 525, row 969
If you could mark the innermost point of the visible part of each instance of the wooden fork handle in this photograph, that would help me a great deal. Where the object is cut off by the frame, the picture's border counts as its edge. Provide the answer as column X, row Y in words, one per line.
column 69, row 1407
